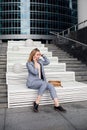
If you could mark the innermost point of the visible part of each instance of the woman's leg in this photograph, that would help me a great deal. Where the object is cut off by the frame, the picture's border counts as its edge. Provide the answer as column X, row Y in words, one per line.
column 56, row 102
column 53, row 93
column 52, row 90
column 41, row 86
column 38, row 99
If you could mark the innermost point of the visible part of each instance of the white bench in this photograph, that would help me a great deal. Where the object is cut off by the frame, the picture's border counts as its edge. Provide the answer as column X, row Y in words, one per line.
column 14, row 48
column 24, row 43
column 56, row 67
column 20, row 96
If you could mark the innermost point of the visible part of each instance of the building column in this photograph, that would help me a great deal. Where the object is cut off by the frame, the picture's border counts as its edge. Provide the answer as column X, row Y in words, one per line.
column 82, row 12
column 47, row 42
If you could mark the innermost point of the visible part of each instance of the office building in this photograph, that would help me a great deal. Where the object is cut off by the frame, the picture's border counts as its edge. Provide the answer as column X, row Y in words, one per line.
column 34, row 19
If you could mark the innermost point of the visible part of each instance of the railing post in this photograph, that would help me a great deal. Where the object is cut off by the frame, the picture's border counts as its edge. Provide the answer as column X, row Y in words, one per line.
column 69, row 31
column 75, row 27
column 58, row 35
column 63, row 33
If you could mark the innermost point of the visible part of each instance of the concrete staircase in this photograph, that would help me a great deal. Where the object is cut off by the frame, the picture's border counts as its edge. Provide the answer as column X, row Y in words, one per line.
column 72, row 64
column 3, row 86
column 18, row 93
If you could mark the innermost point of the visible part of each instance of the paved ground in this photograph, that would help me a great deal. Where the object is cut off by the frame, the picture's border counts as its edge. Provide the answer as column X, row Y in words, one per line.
column 46, row 119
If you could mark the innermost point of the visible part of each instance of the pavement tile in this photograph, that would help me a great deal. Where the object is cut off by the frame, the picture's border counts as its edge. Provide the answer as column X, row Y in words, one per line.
column 77, row 115
column 2, row 112
column 46, row 119
column 18, row 110
column 2, row 118
column 2, row 122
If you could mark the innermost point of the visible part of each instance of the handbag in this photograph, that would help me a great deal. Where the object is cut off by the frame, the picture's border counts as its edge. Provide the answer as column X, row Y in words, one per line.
column 55, row 83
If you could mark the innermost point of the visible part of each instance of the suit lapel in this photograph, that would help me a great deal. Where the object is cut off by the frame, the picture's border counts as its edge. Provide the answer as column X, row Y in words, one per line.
column 41, row 66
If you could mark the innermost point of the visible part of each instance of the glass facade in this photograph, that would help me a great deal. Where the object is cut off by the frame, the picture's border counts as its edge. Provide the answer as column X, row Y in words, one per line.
column 52, row 15
column 37, row 17
column 9, row 17
column 14, row 17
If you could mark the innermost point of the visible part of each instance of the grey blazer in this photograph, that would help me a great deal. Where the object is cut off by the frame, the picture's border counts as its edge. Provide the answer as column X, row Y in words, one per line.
column 33, row 73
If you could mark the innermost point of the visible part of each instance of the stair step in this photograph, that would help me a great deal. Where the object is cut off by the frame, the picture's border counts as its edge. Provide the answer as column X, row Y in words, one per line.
column 52, row 47
column 3, row 48
column 74, row 62
column 75, row 69
column 57, row 52
column 3, row 105
column 85, row 82
column 75, row 65
column 62, row 56
column 3, row 80
column 81, row 73
column 3, row 90
column 3, row 54
column 2, row 75
column 70, row 62
column 81, row 78
column 2, row 95
column 2, row 70
column 3, row 86
column 3, row 59
column 3, row 63
column 3, row 66
column 70, row 59
column 3, row 100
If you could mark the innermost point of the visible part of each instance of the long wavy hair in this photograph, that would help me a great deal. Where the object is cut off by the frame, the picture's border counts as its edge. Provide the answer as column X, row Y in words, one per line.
column 33, row 52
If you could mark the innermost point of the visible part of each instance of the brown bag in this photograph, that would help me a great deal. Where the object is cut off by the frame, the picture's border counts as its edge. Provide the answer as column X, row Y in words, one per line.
column 55, row 83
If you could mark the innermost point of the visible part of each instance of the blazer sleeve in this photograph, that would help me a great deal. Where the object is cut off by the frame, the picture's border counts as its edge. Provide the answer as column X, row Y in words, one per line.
column 32, row 69
column 45, row 60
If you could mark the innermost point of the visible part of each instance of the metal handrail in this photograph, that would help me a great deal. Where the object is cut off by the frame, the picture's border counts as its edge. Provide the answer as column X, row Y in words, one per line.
column 58, row 35
column 68, row 30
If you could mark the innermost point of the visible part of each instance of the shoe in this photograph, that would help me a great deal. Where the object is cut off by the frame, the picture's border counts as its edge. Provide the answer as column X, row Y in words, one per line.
column 59, row 108
column 35, row 107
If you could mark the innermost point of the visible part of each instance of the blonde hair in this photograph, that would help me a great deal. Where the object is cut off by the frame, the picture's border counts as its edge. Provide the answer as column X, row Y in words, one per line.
column 33, row 52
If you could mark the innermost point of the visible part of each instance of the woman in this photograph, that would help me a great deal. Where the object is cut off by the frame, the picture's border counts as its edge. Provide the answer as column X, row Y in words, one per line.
column 36, row 79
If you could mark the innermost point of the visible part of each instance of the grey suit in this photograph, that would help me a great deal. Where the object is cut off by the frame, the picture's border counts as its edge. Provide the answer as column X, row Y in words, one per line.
column 33, row 80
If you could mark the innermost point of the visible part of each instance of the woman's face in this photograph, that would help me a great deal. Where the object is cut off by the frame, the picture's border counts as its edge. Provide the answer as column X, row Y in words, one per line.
column 37, row 55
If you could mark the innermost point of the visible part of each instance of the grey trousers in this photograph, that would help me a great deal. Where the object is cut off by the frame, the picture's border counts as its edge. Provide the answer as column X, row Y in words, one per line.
column 42, row 86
